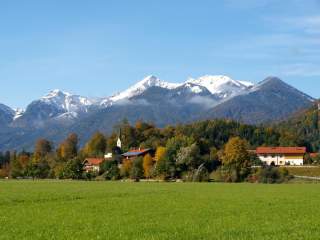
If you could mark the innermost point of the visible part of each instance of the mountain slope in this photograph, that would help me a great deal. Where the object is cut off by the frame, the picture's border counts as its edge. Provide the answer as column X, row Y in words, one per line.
column 304, row 126
column 59, row 113
column 270, row 100
column 222, row 86
column 57, row 105
column 6, row 115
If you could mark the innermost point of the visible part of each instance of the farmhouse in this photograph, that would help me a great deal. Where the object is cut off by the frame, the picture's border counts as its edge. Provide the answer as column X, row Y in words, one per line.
column 136, row 153
column 281, row 155
column 92, row 164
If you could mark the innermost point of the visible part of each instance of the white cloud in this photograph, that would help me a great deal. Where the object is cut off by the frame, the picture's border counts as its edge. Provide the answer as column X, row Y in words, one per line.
column 206, row 102
column 124, row 102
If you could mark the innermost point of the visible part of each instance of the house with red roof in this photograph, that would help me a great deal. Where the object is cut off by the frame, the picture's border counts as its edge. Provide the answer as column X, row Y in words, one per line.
column 280, row 156
column 92, row 164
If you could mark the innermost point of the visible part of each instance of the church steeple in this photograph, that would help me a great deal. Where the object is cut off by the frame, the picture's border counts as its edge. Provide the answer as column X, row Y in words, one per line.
column 119, row 140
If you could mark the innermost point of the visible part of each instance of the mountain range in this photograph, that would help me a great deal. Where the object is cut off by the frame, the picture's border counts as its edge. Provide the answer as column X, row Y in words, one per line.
column 59, row 113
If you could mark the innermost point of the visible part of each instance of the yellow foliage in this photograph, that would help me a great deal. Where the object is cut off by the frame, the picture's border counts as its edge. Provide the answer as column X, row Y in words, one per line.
column 235, row 152
column 160, row 153
column 147, row 165
column 126, row 167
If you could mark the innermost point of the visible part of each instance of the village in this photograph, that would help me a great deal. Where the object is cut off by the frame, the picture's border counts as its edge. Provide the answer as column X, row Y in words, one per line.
column 268, row 156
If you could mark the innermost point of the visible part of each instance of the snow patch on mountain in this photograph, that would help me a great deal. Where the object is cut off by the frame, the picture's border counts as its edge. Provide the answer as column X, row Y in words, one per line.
column 246, row 83
column 67, row 101
column 194, row 88
column 222, row 86
column 69, row 106
column 18, row 113
column 140, row 87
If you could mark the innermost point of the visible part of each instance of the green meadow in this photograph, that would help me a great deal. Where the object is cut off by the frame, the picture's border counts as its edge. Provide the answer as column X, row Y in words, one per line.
column 118, row 210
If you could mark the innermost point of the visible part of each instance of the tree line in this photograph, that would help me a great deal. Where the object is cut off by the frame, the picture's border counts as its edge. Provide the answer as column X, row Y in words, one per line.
column 213, row 149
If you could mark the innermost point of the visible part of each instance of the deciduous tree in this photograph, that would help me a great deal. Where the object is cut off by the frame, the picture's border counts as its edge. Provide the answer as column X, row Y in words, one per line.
column 68, row 149
column 147, row 165
column 42, row 148
column 96, row 146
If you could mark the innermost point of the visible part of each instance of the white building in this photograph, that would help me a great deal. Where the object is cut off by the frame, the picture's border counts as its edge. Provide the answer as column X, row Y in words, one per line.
column 119, row 144
column 108, row 156
column 280, row 156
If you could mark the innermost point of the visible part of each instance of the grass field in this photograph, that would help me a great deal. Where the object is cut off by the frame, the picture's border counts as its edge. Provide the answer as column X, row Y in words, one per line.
column 304, row 171
column 115, row 210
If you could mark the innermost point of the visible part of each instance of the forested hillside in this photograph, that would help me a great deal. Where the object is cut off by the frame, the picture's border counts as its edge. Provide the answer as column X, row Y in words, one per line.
column 303, row 128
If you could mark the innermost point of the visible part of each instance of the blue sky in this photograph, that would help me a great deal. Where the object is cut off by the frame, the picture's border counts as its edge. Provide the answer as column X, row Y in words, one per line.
column 96, row 48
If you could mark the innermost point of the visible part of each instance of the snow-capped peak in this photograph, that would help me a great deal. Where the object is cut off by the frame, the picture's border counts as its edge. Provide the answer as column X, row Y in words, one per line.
column 140, row 87
column 56, row 93
column 67, row 101
column 221, row 85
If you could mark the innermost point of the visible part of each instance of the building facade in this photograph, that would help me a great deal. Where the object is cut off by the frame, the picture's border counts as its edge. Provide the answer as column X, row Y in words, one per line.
column 92, row 164
column 280, row 156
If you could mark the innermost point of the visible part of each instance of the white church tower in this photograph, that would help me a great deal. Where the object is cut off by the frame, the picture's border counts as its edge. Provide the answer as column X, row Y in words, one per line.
column 119, row 144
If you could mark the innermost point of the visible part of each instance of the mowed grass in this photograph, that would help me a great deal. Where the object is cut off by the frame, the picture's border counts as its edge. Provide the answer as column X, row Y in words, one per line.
column 117, row 210
column 305, row 171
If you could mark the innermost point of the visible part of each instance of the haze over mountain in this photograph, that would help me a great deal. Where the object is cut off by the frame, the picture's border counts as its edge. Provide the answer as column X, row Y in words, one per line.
column 59, row 113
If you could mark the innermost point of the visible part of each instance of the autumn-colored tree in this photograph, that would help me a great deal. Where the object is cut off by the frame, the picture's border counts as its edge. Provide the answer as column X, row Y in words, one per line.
column 96, row 146
column 112, row 142
column 68, row 149
column 147, row 165
column 160, row 153
column 236, row 154
column 126, row 168
column 24, row 160
column 42, row 148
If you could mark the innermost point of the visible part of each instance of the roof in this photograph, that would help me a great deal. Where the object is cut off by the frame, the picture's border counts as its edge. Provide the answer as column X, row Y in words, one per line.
column 94, row 161
column 135, row 152
column 281, row 150
column 313, row 155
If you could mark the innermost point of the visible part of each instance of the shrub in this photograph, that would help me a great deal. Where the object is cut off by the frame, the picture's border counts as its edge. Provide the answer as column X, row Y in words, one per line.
column 271, row 174
column 230, row 174
column 200, row 175
column 4, row 171
column 137, row 169
column 113, row 173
